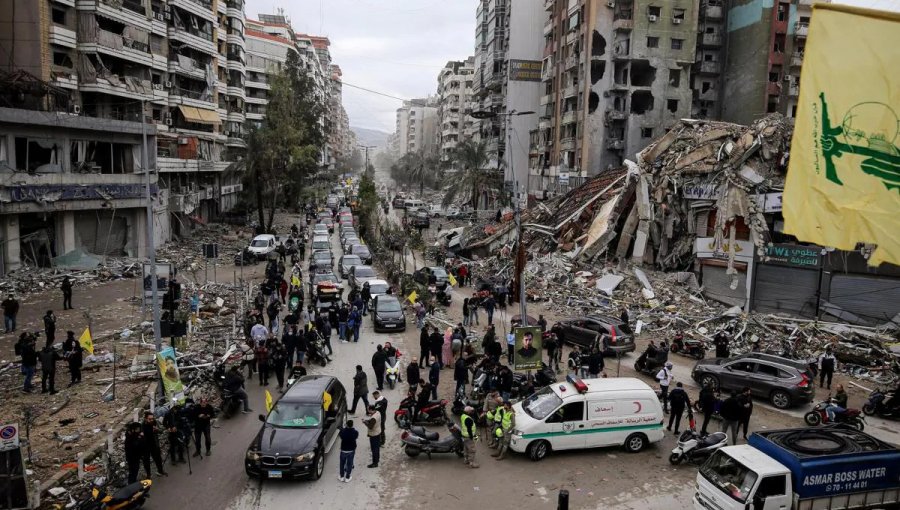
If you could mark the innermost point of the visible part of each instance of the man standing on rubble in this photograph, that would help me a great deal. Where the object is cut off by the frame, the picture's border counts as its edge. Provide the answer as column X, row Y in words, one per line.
column 66, row 288
column 25, row 349
column 489, row 304
column 721, row 343
column 827, row 364
column 10, row 311
column 75, row 359
column 50, row 327
column 203, row 414
column 150, row 430
column 49, row 357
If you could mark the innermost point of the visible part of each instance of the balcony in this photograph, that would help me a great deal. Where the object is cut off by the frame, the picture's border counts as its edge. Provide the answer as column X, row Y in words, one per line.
column 709, row 67
column 614, row 115
column 62, row 36
column 546, row 99
column 235, row 65
column 199, row 8
column 256, row 100
column 711, row 40
column 113, row 44
column 801, row 29
column 572, row 62
column 235, row 92
column 569, row 117
column 570, row 91
column 713, row 11
column 191, row 98
column 187, row 66
column 773, row 89
column 545, row 123
column 615, row 144
column 123, row 12
column 236, row 39
column 573, row 36
column 66, row 80
column 257, row 85
column 235, row 116
column 131, row 89
column 567, row 144
column 794, row 90
column 623, row 25
column 195, row 39
column 255, row 116
column 796, row 59
column 548, row 27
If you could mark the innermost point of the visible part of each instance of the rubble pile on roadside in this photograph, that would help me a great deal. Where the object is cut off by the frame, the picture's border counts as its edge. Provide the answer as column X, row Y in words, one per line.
column 29, row 279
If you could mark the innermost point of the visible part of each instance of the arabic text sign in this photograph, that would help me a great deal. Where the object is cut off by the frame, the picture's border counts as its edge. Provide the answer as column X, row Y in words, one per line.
column 793, row 255
column 700, row 191
column 524, row 70
column 9, row 437
column 705, row 248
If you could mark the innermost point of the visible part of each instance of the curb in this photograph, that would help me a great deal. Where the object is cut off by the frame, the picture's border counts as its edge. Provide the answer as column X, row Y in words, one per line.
column 95, row 449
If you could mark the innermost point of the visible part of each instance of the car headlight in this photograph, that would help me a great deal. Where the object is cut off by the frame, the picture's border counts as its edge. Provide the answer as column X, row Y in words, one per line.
column 306, row 457
column 252, row 455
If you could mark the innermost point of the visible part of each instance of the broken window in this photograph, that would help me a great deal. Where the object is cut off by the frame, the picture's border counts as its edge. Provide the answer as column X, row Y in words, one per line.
column 646, row 132
column 772, row 107
column 779, row 43
column 37, row 155
column 707, row 57
column 593, row 102
column 773, row 77
column 654, row 12
column 705, row 86
column 677, row 44
column 59, row 16
column 62, row 60
column 598, row 67
column 672, row 105
column 642, row 73
column 675, row 77
column 782, row 11
column 598, row 44
column 793, row 111
column 678, row 15
column 641, row 101
column 653, row 42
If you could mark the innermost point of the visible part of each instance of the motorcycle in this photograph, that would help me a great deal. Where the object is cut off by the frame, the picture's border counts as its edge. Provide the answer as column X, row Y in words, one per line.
column 392, row 371
column 695, row 448
column 131, row 496
column 819, row 416
column 444, row 295
column 875, row 405
column 689, row 347
column 415, row 444
column 647, row 365
column 316, row 351
column 434, row 413
column 460, row 403
column 245, row 258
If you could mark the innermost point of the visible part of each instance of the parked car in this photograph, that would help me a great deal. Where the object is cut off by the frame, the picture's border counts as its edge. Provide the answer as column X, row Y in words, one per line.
column 419, row 219
column 322, row 259
column 349, row 242
column 615, row 335
column 387, row 314
column 346, row 262
column 323, row 276
column 359, row 275
column 321, row 243
column 377, row 288
column 459, row 215
column 399, row 202
column 328, row 222
column 320, row 229
column 424, row 274
column 782, row 381
column 262, row 245
column 363, row 252
column 299, row 430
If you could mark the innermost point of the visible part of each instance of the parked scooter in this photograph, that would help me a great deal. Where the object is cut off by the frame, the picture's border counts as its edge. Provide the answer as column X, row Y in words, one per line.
column 391, row 371
column 819, row 416
column 695, row 448
column 316, row 351
column 876, row 405
column 414, row 444
column 649, row 363
column 434, row 413
column 127, row 498
column 689, row 347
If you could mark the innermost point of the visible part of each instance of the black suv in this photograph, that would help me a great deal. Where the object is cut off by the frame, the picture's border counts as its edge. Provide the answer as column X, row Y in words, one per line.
column 423, row 275
column 782, row 381
column 299, row 430
column 587, row 331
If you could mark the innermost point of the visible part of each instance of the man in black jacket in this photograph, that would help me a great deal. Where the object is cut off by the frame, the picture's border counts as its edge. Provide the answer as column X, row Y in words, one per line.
column 150, row 430
column 134, row 446
column 378, row 364
column 731, row 415
column 177, row 440
column 424, row 347
column 708, row 405
column 234, row 383
column 49, row 357
column 505, row 382
column 461, row 376
column 50, row 327
column 413, row 374
column 436, row 345
column 434, row 378
column 678, row 402
column 360, row 388
column 25, row 348
column 203, row 413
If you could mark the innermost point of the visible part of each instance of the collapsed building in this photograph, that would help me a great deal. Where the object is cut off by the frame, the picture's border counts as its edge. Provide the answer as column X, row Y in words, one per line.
column 705, row 198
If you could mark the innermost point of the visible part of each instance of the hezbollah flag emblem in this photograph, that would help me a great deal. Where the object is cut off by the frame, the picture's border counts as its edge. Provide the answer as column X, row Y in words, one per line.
column 843, row 182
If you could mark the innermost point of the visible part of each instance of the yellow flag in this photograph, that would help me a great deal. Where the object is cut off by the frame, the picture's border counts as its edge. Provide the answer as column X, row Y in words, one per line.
column 326, row 400
column 269, row 402
column 295, row 281
column 412, row 297
column 843, row 183
column 451, row 279
column 87, row 343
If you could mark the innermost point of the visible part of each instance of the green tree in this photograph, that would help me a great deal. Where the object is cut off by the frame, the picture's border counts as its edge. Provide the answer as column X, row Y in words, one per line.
column 283, row 154
column 472, row 178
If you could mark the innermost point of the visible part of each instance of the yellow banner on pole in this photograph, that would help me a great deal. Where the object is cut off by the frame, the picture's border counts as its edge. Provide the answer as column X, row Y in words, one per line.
column 269, row 402
column 412, row 297
column 86, row 341
column 451, row 279
column 843, row 182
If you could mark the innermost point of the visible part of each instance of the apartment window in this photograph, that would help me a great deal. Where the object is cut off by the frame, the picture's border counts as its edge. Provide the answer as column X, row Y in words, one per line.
column 672, row 105
column 677, row 15
column 675, row 77
column 707, row 57
column 782, row 11
column 705, row 86
column 654, row 10
column 794, row 111
column 653, row 42
column 773, row 77
column 62, row 59
column 646, row 132
column 59, row 16
column 677, row 44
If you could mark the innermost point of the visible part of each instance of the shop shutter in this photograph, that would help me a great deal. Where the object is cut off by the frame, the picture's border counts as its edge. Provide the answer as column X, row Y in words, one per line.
column 873, row 298
column 101, row 232
column 785, row 289
column 717, row 285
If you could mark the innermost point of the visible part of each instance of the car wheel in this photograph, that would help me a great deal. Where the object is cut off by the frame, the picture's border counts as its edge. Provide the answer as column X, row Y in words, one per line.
column 538, row 450
column 635, row 443
column 320, row 466
column 780, row 399
column 709, row 380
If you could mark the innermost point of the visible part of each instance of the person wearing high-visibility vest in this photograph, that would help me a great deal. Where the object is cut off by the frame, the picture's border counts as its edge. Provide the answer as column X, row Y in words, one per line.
column 469, row 432
column 507, row 424
column 493, row 406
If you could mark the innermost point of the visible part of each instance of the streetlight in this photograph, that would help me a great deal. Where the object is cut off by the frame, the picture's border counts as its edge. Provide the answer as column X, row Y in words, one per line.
column 366, row 148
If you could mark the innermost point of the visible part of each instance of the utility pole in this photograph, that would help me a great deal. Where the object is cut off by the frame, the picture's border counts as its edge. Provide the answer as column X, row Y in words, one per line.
column 366, row 148
column 151, row 246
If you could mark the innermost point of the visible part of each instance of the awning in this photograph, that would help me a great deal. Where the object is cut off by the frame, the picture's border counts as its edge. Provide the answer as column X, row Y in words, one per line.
column 199, row 115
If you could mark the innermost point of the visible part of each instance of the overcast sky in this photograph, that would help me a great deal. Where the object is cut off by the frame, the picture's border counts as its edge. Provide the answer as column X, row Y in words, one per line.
column 397, row 46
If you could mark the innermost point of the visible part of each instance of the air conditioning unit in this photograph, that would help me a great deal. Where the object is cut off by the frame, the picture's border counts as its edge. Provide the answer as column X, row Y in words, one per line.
column 611, row 5
column 677, row 21
column 167, row 15
column 787, row 77
column 168, row 119
column 75, row 109
column 227, row 133
column 653, row 18
column 167, row 84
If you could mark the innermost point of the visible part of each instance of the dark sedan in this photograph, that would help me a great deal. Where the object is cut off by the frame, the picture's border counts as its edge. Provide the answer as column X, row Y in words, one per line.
column 783, row 382
column 363, row 252
column 586, row 332
column 387, row 314
column 299, row 431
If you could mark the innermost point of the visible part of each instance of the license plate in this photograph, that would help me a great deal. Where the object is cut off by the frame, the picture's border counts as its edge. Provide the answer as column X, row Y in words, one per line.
column 274, row 474
column 390, row 325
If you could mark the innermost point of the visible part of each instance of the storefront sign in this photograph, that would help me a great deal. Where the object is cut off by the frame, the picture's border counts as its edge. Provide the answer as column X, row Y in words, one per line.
column 524, row 70
column 793, row 255
column 564, row 178
column 705, row 248
column 768, row 202
column 700, row 191
column 56, row 192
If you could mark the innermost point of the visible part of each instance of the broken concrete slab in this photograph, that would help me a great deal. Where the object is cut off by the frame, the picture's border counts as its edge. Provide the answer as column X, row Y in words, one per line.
column 608, row 283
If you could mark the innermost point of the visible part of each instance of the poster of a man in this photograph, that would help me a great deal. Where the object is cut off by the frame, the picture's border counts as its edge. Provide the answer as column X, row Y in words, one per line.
column 528, row 349
column 168, row 368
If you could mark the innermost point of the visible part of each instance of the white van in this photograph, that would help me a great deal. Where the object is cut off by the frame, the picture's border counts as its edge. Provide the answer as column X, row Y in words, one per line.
column 411, row 203
column 321, row 243
column 577, row 414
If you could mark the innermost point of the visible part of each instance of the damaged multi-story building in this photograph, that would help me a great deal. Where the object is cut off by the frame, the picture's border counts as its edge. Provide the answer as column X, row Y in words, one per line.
column 453, row 92
column 615, row 75
column 416, row 127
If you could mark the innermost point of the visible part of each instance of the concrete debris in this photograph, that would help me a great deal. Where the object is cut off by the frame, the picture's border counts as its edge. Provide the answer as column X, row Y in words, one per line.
column 608, row 283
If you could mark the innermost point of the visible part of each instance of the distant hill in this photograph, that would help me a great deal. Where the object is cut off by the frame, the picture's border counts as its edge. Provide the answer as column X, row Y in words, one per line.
column 370, row 136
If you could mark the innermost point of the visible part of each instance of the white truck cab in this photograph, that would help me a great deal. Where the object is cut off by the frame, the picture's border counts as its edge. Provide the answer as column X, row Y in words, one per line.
column 589, row 413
